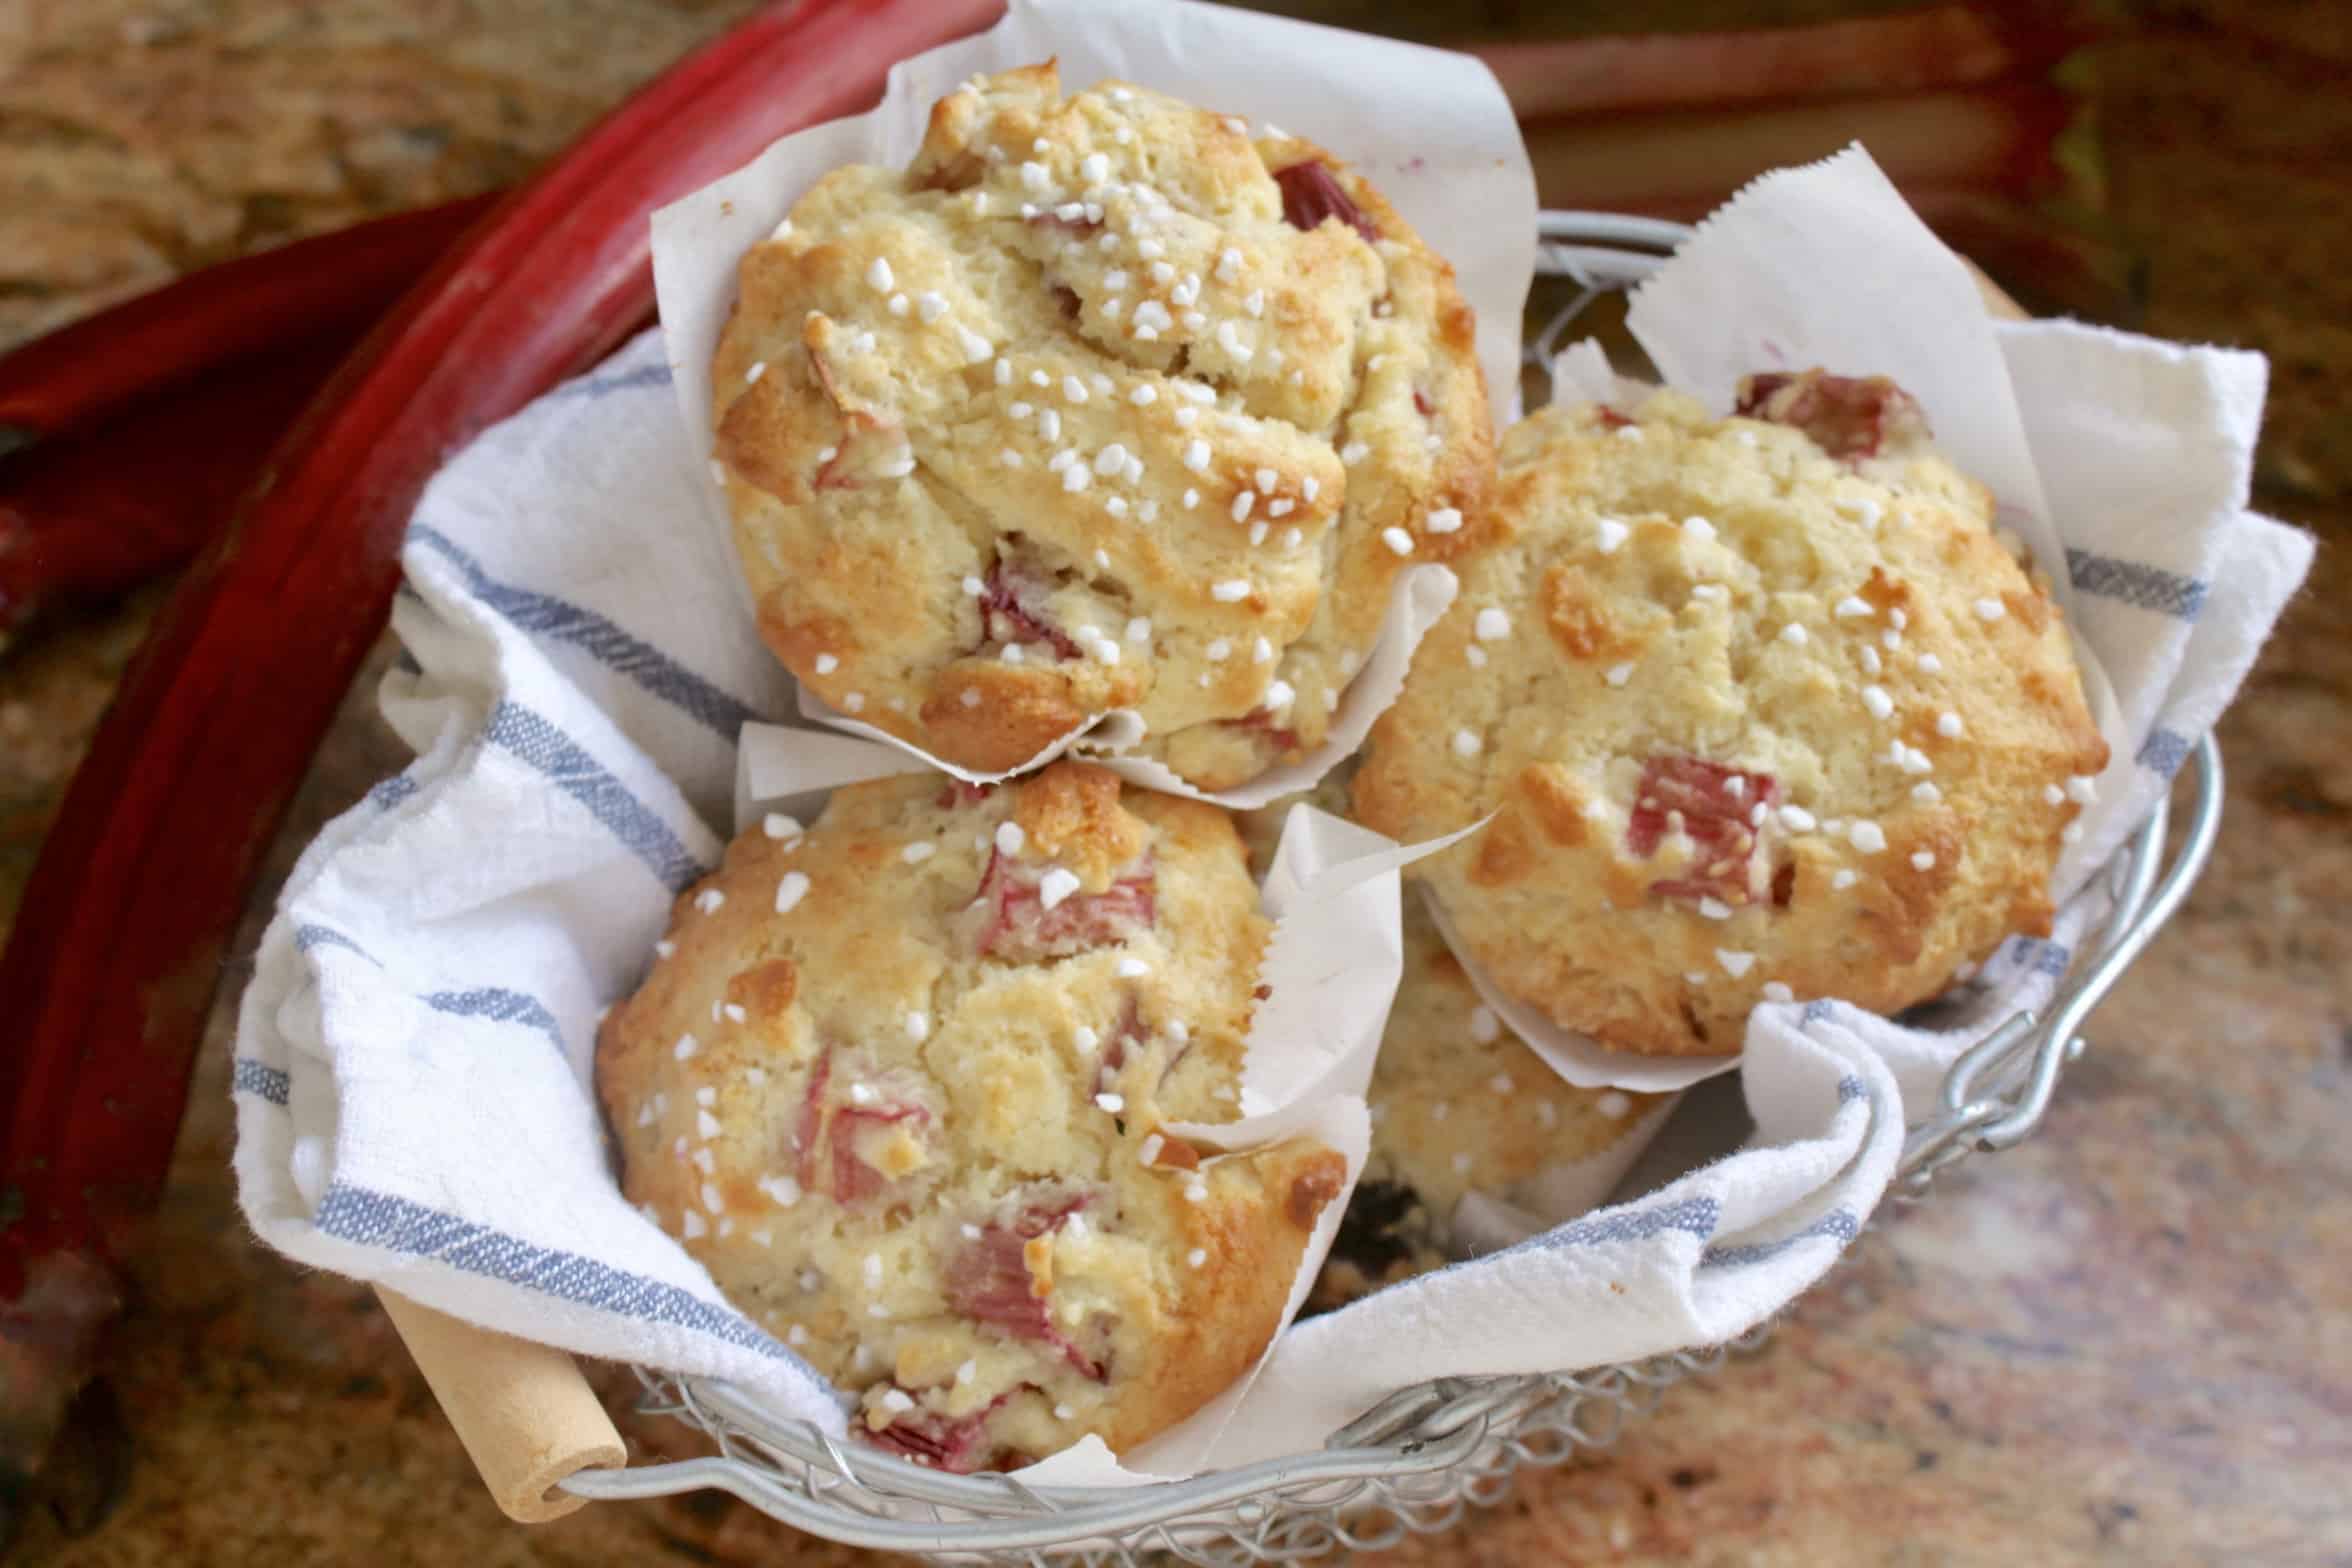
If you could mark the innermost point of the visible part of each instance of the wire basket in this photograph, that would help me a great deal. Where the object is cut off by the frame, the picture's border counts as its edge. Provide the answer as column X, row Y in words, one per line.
column 1414, row 1462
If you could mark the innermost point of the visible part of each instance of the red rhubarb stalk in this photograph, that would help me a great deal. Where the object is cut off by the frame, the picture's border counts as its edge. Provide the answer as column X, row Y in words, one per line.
column 1941, row 46
column 102, row 510
column 109, row 973
column 1990, row 139
column 335, row 284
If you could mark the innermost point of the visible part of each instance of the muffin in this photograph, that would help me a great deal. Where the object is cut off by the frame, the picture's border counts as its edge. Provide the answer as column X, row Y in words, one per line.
column 1762, row 710
column 1099, row 403
column 1459, row 1106
column 901, row 1082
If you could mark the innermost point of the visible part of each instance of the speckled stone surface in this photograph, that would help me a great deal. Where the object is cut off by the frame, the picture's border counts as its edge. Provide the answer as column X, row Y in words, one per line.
column 2127, row 1341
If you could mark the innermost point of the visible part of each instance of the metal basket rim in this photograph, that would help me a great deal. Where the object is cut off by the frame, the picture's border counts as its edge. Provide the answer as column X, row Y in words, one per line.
column 1993, row 1097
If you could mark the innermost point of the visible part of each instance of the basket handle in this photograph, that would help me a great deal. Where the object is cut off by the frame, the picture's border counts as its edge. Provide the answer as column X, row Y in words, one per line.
column 525, row 1412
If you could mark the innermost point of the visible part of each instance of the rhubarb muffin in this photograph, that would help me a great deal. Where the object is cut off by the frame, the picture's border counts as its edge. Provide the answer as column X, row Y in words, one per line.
column 1762, row 707
column 1463, row 1115
column 902, row 1081
column 1101, row 403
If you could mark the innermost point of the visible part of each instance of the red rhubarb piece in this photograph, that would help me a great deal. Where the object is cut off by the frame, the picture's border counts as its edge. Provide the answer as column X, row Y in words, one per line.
column 989, row 1280
column 1012, row 610
column 1020, row 927
column 1848, row 417
column 831, row 1119
column 1312, row 193
column 1716, row 807
column 950, row 1443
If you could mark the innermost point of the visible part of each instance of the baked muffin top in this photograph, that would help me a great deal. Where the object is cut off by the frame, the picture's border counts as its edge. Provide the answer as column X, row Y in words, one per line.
column 1099, row 403
column 902, row 1081
column 1761, row 711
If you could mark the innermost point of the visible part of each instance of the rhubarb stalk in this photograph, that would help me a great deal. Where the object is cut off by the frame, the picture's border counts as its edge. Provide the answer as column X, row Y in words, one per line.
column 110, row 972
column 101, row 510
column 332, row 284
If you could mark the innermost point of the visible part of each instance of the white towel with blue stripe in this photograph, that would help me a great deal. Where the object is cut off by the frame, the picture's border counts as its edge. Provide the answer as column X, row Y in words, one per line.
column 412, row 1073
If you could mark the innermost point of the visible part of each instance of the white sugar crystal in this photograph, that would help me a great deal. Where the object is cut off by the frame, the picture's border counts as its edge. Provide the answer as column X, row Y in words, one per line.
column 1055, row 886
column 790, row 891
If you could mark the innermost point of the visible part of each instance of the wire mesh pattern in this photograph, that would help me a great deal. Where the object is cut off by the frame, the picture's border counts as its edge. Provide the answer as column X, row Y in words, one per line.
column 1415, row 1462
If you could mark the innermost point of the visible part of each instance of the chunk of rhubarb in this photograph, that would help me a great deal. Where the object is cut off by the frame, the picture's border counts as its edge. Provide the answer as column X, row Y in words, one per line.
column 1019, row 926
column 1715, row 807
column 950, row 1443
column 991, row 1281
column 1312, row 193
column 1013, row 610
column 828, row 1133
column 1848, row 417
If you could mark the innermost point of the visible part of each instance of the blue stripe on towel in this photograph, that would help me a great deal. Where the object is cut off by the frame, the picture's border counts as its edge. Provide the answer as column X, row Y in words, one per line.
column 1697, row 1216
column 260, row 1079
column 604, row 386
column 544, row 615
column 571, row 769
column 499, row 1006
column 2137, row 583
column 2163, row 752
column 378, row 1219
column 392, row 791
column 310, row 938
column 1838, row 1224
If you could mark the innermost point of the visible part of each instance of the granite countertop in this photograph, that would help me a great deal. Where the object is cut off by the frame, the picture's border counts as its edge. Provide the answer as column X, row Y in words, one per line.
column 2127, row 1340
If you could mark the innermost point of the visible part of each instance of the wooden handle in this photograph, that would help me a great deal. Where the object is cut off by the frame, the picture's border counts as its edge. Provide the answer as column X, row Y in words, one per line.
column 525, row 1414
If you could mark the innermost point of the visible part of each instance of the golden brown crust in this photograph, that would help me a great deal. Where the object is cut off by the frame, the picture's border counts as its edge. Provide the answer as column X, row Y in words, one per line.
column 946, row 980
column 1067, row 417
column 1880, row 795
